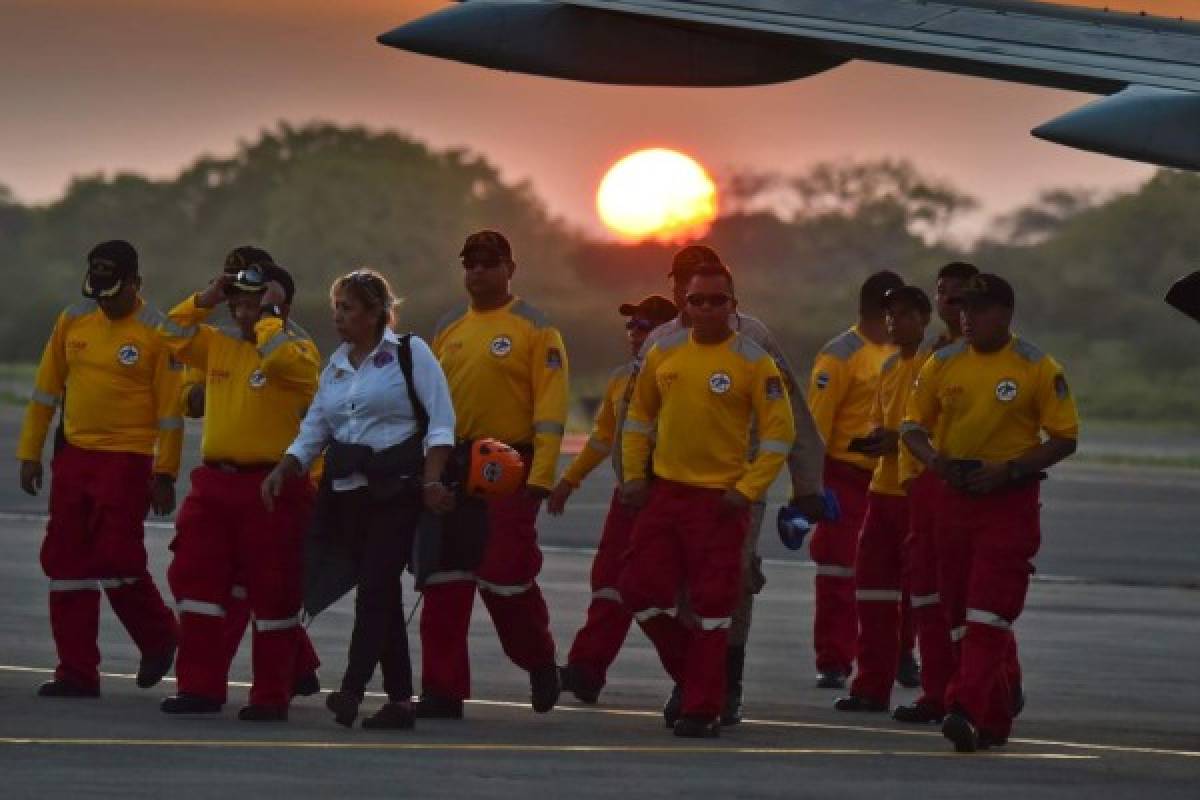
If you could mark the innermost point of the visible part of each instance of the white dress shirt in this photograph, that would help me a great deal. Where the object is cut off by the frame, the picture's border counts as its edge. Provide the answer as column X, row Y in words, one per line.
column 370, row 405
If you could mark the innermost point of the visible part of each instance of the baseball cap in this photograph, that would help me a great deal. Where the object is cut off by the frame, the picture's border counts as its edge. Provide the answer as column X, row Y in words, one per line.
column 986, row 289
column 914, row 296
column 246, row 256
column 284, row 279
column 110, row 265
column 487, row 243
column 655, row 308
column 692, row 258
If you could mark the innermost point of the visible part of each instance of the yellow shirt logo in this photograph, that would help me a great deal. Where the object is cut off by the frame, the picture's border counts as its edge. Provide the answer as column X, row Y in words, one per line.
column 720, row 382
column 128, row 355
column 501, row 346
column 1006, row 390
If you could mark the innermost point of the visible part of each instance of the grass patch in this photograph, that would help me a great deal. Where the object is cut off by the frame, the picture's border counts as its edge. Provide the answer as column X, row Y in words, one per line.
column 1128, row 460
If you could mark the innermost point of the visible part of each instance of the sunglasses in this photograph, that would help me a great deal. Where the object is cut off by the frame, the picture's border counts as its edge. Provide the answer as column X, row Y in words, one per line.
column 714, row 300
column 482, row 263
column 643, row 325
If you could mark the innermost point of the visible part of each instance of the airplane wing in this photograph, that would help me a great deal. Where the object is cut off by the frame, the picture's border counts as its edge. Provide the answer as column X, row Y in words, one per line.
column 1147, row 68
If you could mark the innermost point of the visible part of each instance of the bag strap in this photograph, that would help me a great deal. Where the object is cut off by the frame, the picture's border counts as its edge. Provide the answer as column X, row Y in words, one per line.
column 406, row 366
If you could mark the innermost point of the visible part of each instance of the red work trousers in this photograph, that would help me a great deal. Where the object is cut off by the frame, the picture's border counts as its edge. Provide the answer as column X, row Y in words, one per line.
column 684, row 538
column 237, row 617
column 929, row 614
column 833, row 547
column 94, row 540
column 226, row 535
column 599, row 640
column 879, row 575
column 507, row 581
column 985, row 549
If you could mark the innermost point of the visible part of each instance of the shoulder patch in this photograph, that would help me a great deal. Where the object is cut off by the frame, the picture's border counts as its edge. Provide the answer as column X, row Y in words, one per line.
column 890, row 363
column 525, row 311
column 449, row 318
column 81, row 308
column 671, row 341
column 1028, row 350
column 623, row 371
column 748, row 348
column 951, row 350
column 843, row 346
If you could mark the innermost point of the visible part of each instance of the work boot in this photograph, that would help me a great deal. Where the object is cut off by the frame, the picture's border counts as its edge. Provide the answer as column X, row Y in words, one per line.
column 432, row 706
column 735, row 663
column 61, row 688
column 306, row 685
column 698, row 727
column 908, row 671
column 344, row 706
column 917, row 714
column 576, row 682
column 152, row 668
column 854, row 702
column 392, row 716
column 253, row 713
column 674, row 706
column 544, row 688
column 184, row 703
column 831, row 679
column 959, row 729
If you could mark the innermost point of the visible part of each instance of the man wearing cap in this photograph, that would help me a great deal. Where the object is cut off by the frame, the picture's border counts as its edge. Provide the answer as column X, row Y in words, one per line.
column 507, row 370
column 123, row 437
column 804, row 466
column 879, row 563
column 597, row 643
column 259, row 382
column 842, row 390
column 987, row 401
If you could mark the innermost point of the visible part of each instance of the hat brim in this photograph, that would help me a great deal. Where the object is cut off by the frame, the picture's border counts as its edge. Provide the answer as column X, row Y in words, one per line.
column 248, row 288
column 627, row 309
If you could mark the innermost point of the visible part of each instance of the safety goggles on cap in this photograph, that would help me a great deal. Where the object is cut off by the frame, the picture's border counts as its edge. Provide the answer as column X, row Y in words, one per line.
column 251, row 279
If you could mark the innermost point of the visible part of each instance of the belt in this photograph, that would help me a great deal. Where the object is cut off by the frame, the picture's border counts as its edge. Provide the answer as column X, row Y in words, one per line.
column 234, row 467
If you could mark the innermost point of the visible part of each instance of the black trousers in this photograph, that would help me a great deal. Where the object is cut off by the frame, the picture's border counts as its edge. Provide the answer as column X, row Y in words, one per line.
column 379, row 534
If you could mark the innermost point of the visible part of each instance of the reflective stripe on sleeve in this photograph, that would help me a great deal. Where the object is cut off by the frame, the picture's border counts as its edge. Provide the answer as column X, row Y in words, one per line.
column 877, row 595
column 552, row 428
column 607, row 594
column 774, row 446
column 714, row 623
column 957, row 634
column 273, row 344
column 450, row 576
column 200, row 607
column 637, row 426
column 173, row 328
column 835, row 571
column 911, row 427
column 287, row 623
column 647, row 614
column 46, row 399
column 503, row 590
column 170, row 424
column 988, row 618
column 925, row 600
column 603, row 448
column 84, row 585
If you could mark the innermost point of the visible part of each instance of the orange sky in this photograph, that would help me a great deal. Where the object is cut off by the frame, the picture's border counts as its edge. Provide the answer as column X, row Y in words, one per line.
column 148, row 85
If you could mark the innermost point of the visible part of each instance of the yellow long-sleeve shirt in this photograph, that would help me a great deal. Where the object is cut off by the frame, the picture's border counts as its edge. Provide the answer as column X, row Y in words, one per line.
column 600, row 443
column 991, row 406
column 256, row 393
column 120, row 382
column 841, row 393
column 507, row 371
column 896, row 380
column 703, row 399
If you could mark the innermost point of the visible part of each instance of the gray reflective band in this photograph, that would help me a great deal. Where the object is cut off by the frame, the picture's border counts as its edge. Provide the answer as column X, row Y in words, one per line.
column 714, row 623
column 988, row 618
column 503, row 590
column 238, row 593
column 170, row 424
column 607, row 594
column 453, row 576
column 46, row 399
column 957, row 634
column 200, row 607
column 262, row 625
column 774, row 446
column 273, row 344
column 603, row 448
column 637, row 426
column 152, row 316
column 84, row 585
column 552, row 428
column 877, row 595
column 173, row 328
column 924, row 600
column 117, row 583
column 834, row 571
column 650, row 613
column 912, row 427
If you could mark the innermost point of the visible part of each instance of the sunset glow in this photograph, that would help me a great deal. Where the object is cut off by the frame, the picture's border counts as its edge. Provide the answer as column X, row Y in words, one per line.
column 657, row 194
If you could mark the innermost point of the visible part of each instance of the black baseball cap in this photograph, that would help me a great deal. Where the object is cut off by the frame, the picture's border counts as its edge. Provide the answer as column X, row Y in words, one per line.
column 655, row 308
column 986, row 289
column 914, row 296
column 110, row 265
column 487, row 244
column 693, row 258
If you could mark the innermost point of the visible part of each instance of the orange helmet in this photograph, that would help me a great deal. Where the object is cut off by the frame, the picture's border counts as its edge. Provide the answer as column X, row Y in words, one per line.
column 495, row 469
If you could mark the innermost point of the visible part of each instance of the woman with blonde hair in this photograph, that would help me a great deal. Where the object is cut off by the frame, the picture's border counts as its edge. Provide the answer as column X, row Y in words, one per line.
column 386, row 440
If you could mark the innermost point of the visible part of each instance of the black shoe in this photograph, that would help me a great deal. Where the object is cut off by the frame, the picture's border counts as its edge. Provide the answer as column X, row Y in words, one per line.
column 432, row 706
column 960, row 730
column 544, row 688
column 854, row 702
column 831, row 679
column 61, row 688
column 674, row 706
column 917, row 714
column 1018, row 700
column 306, row 685
column 987, row 740
column 253, row 713
column 698, row 727
column 908, row 671
column 151, row 669
column 735, row 664
column 574, row 681
column 184, row 703
column 392, row 716
column 344, row 706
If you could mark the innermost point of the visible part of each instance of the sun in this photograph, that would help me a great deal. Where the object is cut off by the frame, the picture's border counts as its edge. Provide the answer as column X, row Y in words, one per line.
column 657, row 194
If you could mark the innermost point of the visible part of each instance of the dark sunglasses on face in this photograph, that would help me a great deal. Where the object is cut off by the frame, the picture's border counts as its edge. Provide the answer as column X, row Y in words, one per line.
column 643, row 325
column 715, row 300
column 484, row 262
